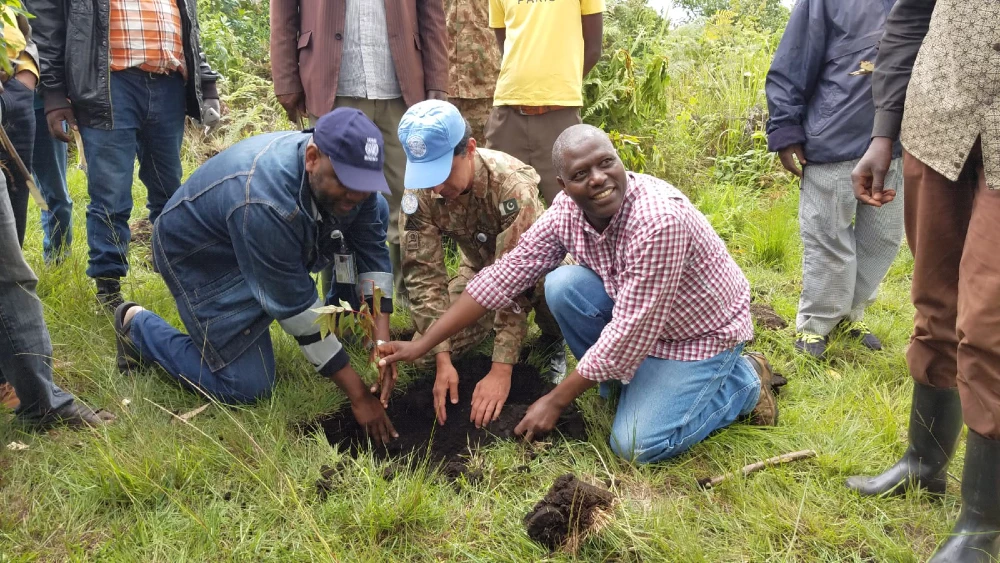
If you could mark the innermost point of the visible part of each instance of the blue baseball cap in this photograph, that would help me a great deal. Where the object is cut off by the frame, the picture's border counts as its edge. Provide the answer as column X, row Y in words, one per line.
column 429, row 132
column 355, row 147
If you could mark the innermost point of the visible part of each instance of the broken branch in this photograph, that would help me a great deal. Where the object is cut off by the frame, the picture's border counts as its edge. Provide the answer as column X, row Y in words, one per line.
column 747, row 470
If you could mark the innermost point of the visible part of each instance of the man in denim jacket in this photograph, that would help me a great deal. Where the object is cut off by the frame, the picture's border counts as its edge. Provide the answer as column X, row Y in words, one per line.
column 819, row 94
column 236, row 245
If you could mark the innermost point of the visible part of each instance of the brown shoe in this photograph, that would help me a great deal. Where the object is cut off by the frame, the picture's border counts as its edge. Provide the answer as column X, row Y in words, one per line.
column 766, row 411
column 8, row 397
column 77, row 415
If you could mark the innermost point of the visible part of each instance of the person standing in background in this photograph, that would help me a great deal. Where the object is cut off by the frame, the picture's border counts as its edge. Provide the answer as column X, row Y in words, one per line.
column 819, row 97
column 377, row 56
column 49, row 168
column 540, row 89
column 473, row 61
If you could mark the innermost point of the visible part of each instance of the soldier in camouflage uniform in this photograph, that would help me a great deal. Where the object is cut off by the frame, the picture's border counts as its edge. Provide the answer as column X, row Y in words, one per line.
column 482, row 200
column 473, row 61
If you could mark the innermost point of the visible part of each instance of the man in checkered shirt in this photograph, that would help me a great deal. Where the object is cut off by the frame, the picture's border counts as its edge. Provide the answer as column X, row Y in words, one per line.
column 656, row 305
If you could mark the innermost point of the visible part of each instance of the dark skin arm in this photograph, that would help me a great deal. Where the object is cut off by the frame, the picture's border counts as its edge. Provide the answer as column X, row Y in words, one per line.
column 367, row 409
column 543, row 414
column 593, row 37
column 501, row 34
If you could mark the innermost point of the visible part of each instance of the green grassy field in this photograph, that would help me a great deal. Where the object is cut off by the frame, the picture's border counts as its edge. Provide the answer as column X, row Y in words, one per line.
column 239, row 483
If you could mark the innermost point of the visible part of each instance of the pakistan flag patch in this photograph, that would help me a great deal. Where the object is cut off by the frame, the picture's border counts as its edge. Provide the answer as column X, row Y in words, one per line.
column 509, row 208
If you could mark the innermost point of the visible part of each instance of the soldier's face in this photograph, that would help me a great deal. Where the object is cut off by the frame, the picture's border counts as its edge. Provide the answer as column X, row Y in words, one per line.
column 594, row 177
column 330, row 194
column 463, row 170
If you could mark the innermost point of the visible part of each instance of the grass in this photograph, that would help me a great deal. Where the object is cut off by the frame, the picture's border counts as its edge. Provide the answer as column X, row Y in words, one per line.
column 237, row 483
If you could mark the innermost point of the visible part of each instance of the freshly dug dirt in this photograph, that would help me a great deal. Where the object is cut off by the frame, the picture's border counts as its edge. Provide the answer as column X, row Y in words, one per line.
column 412, row 414
column 568, row 508
column 142, row 231
column 766, row 317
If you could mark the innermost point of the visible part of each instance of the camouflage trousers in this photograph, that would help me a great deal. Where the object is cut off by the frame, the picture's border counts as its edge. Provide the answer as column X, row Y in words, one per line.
column 471, row 337
column 476, row 111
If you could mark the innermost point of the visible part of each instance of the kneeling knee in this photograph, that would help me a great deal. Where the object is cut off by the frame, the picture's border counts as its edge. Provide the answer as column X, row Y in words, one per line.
column 636, row 448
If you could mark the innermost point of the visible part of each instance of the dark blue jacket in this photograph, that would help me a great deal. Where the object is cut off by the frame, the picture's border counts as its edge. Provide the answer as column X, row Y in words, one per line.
column 812, row 98
column 237, row 242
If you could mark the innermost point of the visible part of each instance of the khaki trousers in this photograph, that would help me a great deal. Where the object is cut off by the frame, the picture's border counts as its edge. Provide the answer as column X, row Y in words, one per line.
column 953, row 230
column 529, row 138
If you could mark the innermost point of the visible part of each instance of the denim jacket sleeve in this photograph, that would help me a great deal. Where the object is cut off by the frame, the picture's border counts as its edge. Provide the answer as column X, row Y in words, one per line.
column 269, row 251
column 792, row 77
column 366, row 238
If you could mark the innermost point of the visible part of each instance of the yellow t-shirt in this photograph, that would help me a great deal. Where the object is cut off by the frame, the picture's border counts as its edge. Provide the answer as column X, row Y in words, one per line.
column 543, row 53
column 16, row 43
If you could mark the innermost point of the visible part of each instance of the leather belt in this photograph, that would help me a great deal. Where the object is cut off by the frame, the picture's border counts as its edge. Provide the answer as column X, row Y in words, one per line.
column 536, row 110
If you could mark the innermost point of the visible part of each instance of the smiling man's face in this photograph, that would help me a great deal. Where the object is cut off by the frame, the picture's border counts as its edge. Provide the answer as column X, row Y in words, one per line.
column 594, row 177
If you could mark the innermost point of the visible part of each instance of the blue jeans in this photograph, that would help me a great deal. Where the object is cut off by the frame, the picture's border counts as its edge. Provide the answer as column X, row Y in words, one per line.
column 669, row 405
column 50, row 177
column 19, row 124
column 246, row 379
column 147, row 121
column 25, row 348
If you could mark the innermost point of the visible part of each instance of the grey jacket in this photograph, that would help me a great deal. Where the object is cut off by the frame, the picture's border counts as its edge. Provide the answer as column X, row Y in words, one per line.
column 72, row 38
column 812, row 98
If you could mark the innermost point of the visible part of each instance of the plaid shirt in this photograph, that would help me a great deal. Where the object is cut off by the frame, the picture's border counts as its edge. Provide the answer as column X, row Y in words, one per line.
column 678, row 293
column 146, row 34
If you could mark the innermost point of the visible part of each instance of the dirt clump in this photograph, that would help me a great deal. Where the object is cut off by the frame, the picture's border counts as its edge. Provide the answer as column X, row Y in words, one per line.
column 412, row 414
column 767, row 317
column 567, row 509
column 142, row 231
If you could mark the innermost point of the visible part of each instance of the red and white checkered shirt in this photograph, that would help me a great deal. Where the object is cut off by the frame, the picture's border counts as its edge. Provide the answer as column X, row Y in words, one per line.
column 678, row 293
column 147, row 34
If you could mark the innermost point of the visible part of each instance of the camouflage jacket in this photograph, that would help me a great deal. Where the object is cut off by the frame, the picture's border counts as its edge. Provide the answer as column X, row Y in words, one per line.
column 473, row 55
column 486, row 222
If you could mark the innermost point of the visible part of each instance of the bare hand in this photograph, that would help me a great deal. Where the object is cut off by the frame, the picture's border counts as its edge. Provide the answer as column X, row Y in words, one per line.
column 371, row 416
column 387, row 377
column 786, row 155
column 445, row 383
column 489, row 397
column 868, row 177
column 295, row 106
column 540, row 419
column 55, row 118
column 398, row 351
column 437, row 95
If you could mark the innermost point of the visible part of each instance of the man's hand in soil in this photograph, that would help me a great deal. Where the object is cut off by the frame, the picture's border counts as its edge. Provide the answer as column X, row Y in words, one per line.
column 789, row 154
column 490, row 395
column 367, row 409
column 543, row 414
column 868, row 177
column 445, row 383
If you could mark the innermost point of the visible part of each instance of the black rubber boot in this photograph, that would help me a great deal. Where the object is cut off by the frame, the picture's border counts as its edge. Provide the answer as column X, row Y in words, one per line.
column 109, row 293
column 127, row 356
column 935, row 424
column 976, row 536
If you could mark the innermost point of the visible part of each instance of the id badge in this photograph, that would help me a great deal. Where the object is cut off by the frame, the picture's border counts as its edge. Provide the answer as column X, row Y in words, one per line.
column 344, row 268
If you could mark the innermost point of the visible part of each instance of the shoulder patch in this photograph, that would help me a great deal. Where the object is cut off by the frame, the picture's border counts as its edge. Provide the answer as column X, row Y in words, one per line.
column 509, row 207
column 410, row 225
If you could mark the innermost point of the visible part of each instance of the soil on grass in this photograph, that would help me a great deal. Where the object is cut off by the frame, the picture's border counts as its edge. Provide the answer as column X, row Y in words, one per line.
column 142, row 231
column 767, row 317
column 412, row 414
column 568, row 508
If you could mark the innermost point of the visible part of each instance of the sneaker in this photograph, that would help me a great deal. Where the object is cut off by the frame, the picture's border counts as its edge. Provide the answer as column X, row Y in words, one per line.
column 860, row 331
column 109, row 293
column 126, row 354
column 766, row 411
column 8, row 397
column 812, row 344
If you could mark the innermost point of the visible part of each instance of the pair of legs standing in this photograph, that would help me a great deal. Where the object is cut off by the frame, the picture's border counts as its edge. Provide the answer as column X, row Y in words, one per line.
column 669, row 405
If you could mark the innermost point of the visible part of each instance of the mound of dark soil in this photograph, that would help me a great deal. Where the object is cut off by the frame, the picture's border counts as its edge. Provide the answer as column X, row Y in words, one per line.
column 412, row 414
column 767, row 317
column 567, row 508
column 142, row 231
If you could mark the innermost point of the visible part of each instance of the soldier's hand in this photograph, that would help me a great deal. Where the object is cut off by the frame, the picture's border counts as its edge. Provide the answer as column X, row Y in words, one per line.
column 490, row 395
column 445, row 383
column 868, row 177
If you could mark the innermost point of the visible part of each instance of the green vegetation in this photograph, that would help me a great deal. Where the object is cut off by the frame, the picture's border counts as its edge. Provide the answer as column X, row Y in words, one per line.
column 686, row 104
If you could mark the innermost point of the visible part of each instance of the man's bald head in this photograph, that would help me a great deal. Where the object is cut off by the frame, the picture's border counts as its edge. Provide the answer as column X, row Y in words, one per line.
column 574, row 136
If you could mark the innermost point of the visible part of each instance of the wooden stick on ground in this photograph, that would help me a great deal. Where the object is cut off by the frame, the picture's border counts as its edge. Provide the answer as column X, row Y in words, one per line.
column 710, row 482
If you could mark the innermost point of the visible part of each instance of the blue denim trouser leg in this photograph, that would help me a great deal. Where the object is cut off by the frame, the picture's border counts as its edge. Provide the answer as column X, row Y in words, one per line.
column 49, row 169
column 669, row 405
column 246, row 379
column 148, row 122
column 19, row 124
column 25, row 348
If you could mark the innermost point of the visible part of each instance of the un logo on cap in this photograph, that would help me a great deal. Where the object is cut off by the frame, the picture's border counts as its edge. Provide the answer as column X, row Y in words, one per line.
column 371, row 150
column 416, row 145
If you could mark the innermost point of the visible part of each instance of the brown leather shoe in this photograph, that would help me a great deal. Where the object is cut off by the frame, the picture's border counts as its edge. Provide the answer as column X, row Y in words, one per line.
column 766, row 411
column 8, row 397
column 77, row 415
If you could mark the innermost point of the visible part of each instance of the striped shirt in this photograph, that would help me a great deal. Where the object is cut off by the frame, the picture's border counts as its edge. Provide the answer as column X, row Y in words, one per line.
column 678, row 293
column 146, row 34
column 366, row 67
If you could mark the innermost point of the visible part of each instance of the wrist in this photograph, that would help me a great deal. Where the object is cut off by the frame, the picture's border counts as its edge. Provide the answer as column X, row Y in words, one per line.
column 502, row 369
column 443, row 360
